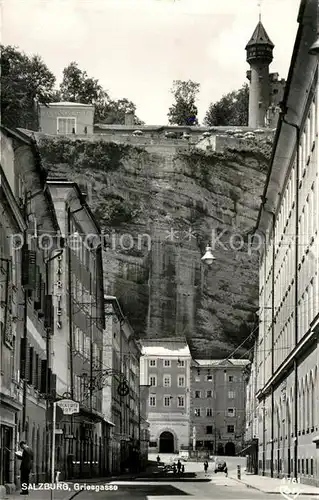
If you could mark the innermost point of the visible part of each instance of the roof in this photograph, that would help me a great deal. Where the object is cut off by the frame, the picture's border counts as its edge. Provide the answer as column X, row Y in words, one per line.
column 67, row 103
column 65, row 182
column 222, row 362
column 166, row 347
column 260, row 36
column 30, row 141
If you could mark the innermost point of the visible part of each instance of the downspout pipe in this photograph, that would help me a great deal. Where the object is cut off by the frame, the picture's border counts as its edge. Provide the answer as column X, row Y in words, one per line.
column 263, row 402
column 70, row 310
column 273, row 319
column 273, row 322
column 296, row 332
column 48, row 400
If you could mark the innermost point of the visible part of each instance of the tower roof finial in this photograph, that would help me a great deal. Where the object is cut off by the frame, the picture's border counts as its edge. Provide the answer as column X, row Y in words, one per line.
column 259, row 9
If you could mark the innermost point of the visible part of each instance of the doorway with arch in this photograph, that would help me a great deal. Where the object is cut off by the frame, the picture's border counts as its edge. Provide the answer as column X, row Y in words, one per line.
column 230, row 449
column 166, row 442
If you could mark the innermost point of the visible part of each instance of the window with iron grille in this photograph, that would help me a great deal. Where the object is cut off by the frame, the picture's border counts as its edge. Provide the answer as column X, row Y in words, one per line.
column 167, row 400
column 180, row 401
column 152, row 401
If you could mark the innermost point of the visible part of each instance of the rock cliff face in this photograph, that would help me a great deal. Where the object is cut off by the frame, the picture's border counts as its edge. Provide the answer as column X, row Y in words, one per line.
column 159, row 207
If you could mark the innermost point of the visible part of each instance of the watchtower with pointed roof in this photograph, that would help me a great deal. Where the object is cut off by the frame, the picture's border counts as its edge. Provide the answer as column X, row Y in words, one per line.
column 259, row 56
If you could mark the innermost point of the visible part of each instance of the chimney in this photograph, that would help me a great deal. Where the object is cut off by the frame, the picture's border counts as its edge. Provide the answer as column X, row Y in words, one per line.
column 129, row 119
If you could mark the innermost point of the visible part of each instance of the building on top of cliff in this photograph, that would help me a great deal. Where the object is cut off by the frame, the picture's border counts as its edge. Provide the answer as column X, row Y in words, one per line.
column 66, row 118
column 266, row 90
column 165, row 366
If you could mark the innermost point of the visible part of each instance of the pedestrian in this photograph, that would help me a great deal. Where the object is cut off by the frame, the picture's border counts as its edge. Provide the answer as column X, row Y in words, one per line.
column 205, row 466
column 26, row 467
column 183, row 469
column 179, row 466
column 158, row 459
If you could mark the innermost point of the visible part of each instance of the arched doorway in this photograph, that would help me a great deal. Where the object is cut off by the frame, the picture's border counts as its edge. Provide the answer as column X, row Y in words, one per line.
column 220, row 449
column 230, row 449
column 166, row 442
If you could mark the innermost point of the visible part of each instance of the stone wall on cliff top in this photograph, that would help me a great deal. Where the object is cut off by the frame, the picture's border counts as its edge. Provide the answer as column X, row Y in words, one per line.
column 158, row 207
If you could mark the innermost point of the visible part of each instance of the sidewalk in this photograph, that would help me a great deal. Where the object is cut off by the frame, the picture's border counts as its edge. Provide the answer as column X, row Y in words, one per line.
column 273, row 485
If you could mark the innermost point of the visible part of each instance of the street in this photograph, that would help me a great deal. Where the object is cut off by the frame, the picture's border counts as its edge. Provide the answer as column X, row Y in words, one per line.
column 219, row 488
column 212, row 486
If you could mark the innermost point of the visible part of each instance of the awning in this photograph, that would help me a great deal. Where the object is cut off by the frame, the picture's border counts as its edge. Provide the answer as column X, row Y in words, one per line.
column 248, row 448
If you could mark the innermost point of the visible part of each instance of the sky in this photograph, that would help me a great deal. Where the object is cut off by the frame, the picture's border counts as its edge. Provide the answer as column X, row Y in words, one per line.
column 136, row 48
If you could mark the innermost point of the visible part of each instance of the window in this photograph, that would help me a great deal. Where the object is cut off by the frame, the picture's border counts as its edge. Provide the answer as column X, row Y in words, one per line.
column 208, row 394
column 152, row 380
column 209, row 429
column 209, row 412
column 167, row 363
column 66, row 125
column 197, row 412
column 181, row 363
column 167, row 400
column 230, row 429
column 230, row 378
column 180, row 401
column 152, row 362
column 181, row 381
column 197, row 394
column 209, row 378
column 230, row 412
column 167, row 381
column 152, row 400
column 231, row 394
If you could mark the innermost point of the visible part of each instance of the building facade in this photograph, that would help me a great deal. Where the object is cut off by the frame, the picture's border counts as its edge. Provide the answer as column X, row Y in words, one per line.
column 26, row 307
column 218, row 406
column 288, row 351
column 66, row 118
column 165, row 367
column 77, row 346
column 122, row 407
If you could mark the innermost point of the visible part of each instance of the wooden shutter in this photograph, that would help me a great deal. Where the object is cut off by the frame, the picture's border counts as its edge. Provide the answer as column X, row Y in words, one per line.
column 52, row 384
column 36, row 371
column 48, row 312
column 44, row 374
column 28, row 271
column 39, row 372
column 31, row 364
column 22, row 358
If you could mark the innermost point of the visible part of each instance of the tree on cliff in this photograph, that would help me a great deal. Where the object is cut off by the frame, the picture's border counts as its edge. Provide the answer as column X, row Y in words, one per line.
column 231, row 109
column 24, row 81
column 77, row 86
column 184, row 110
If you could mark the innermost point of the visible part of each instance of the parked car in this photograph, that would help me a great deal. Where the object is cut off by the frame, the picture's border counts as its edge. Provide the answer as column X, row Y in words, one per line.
column 221, row 466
